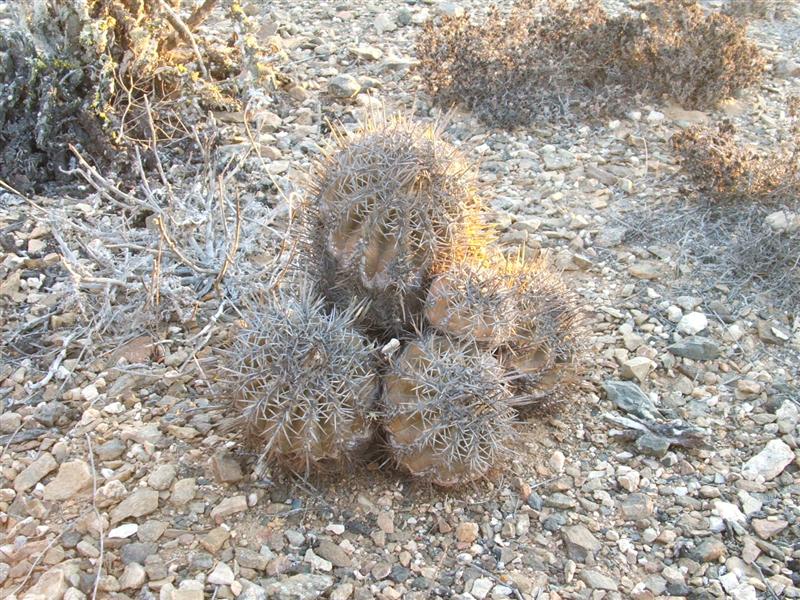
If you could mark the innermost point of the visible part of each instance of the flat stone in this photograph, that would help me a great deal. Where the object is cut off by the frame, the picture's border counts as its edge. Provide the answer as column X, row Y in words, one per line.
column 137, row 552
column 557, row 159
column 651, row 444
column 638, row 367
column 645, row 269
column 51, row 584
column 162, row 477
column 481, row 587
column 466, row 533
column 317, row 562
column 140, row 503
column 72, row 478
column 304, row 586
column 111, row 450
column 579, row 542
column 335, row 554
column 710, row 550
column 766, row 528
column 123, row 531
column 450, row 9
column 344, row 86
column 214, row 539
column 35, row 472
column 228, row 507
column 226, row 468
column 597, row 581
column 770, row 462
column 183, row 491
column 692, row 323
column 637, row 506
column 221, row 575
column 133, row 577
column 628, row 396
column 695, row 348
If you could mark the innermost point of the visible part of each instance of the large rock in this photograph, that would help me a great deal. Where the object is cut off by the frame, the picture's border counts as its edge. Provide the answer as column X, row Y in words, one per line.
column 695, row 348
column 580, row 543
column 629, row 397
column 770, row 462
column 304, row 586
column 34, row 472
column 142, row 502
column 344, row 86
column 72, row 478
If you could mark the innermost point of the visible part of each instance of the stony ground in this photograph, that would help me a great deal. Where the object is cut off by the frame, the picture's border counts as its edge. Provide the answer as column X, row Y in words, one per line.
column 675, row 472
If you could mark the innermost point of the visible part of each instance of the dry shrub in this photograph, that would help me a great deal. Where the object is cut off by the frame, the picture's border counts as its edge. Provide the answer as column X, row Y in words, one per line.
column 724, row 167
column 82, row 72
column 546, row 57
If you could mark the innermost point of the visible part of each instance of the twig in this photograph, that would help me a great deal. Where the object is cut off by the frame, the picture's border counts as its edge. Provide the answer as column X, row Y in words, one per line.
column 32, row 387
column 99, row 518
column 178, row 24
column 194, row 21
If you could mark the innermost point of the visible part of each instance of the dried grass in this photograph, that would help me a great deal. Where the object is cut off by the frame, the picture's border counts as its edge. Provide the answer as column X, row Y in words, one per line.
column 546, row 58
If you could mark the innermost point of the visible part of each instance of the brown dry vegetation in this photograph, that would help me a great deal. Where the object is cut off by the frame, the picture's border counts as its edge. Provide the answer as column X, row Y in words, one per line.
column 545, row 59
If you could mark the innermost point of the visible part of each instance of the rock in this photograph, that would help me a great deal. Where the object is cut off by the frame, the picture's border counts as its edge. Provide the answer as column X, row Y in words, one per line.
column 384, row 22
column 140, row 503
column 123, row 531
column 629, row 397
column 692, row 323
column 183, row 491
column 481, row 587
column 557, row 159
column 367, row 52
column 450, row 9
column 133, row 577
column 770, row 462
column 787, row 68
column 137, row 552
column 343, row 591
column 50, row 585
column 72, row 478
column 335, row 554
column 162, row 477
column 766, row 528
column 111, row 450
column 580, row 543
column 385, row 522
column 597, row 581
column 10, row 422
column 344, row 86
column 651, row 444
column 729, row 512
column 645, row 269
column 556, row 461
column 226, row 468
column 610, row 236
column 317, row 562
column 34, row 472
column 629, row 481
column 304, row 586
column 710, row 550
column 695, row 348
column 637, row 506
column 655, row 117
column 228, row 507
column 250, row 559
column 638, row 367
column 221, row 575
column 466, row 533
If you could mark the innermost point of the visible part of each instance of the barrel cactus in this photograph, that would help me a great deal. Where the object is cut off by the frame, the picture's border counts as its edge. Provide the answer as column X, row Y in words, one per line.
column 447, row 411
column 385, row 205
column 304, row 380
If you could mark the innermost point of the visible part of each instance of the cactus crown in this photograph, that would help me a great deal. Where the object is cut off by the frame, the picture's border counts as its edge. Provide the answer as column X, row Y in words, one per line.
column 305, row 380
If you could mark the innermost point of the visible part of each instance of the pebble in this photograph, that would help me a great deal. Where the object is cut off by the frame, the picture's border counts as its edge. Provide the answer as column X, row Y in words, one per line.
column 580, row 543
column 692, row 323
column 72, row 478
column 221, row 575
column 466, row 533
column 35, row 472
column 344, row 86
column 770, row 462
column 140, row 503
column 228, row 507
column 695, row 348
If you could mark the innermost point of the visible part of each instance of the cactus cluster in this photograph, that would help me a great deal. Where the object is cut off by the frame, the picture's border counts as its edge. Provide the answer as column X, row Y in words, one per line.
column 393, row 226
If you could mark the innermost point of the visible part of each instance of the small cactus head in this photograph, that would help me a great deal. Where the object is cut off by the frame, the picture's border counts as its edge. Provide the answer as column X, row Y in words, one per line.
column 517, row 309
column 386, row 202
column 446, row 411
column 305, row 382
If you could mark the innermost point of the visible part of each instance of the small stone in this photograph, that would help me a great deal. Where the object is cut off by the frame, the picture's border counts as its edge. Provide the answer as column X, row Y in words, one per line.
column 335, row 554
column 629, row 397
column 72, row 478
column 317, row 562
column 221, row 575
column 450, row 9
column 770, row 462
column 228, row 507
column 111, row 450
column 597, row 581
column 162, row 477
column 692, row 323
column 344, row 86
column 10, row 422
column 183, row 491
column 651, row 444
column 729, row 512
column 385, row 522
column 638, row 367
column 466, row 533
column 557, row 159
column 137, row 552
column 580, row 543
column 226, row 468
column 304, row 586
column 556, row 461
column 645, row 269
column 637, row 506
column 123, row 531
column 133, row 577
column 34, row 472
column 655, row 117
column 51, row 584
column 481, row 587
column 746, row 389
column 766, row 528
column 295, row 538
column 140, row 503
column 90, row 393
column 214, row 539
column 629, row 481
column 710, row 550
column 381, row 570
column 343, row 591
column 384, row 22
column 695, row 348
